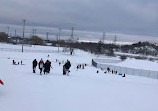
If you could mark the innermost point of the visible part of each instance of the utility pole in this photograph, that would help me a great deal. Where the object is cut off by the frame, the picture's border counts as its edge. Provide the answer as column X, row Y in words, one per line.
column 115, row 39
column 72, row 40
column 72, row 34
column 58, row 38
column 58, row 41
column 59, row 33
column 23, row 20
column 47, row 36
column 103, row 37
column 15, row 33
column 35, row 32
column 8, row 31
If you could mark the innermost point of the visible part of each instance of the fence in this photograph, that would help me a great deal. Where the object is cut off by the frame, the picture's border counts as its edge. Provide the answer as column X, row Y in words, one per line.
column 27, row 50
column 125, row 70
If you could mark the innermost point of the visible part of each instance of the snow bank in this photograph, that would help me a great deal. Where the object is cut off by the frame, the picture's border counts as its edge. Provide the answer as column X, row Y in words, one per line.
column 83, row 90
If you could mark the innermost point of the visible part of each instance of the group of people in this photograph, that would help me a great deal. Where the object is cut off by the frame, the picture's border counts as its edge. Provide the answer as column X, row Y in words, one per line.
column 112, row 71
column 81, row 66
column 14, row 63
column 45, row 67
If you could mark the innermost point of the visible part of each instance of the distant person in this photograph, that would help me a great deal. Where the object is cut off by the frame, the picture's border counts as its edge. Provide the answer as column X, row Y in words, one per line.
column 41, row 66
column 124, row 75
column 34, row 64
column 108, row 69
column 66, row 68
column 14, row 63
column 82, row 66
column 21, row 62
column 77, row 67
column 59, row 63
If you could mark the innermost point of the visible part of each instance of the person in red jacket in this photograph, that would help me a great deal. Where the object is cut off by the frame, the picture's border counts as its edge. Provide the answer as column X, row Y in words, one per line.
column 41, row 66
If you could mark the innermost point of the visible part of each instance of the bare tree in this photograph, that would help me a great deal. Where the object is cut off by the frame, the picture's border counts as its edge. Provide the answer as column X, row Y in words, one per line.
column 35, row 40
column 3, row 37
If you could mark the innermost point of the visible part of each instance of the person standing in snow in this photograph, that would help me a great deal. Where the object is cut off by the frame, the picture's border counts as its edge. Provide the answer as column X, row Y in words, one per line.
column 108, row 69
column 47, row 66
column 41, row 66
column 34, row 64
column 66, row 68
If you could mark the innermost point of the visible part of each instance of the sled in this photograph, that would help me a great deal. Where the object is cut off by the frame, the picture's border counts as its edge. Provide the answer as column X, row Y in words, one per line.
column 1, row 82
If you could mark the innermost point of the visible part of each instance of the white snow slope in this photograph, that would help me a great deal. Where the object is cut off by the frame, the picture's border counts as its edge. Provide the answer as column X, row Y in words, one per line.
column 83, row 90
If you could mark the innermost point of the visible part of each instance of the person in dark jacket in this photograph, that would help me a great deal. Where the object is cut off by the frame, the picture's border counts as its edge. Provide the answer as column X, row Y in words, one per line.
column 64, row 73
column 108, row 69
column 14, row 63
column 47, row 66
column 34, row 63
column 66, row 68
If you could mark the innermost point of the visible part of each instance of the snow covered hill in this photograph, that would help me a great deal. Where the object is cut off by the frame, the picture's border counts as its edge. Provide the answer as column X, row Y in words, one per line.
column 83, row 90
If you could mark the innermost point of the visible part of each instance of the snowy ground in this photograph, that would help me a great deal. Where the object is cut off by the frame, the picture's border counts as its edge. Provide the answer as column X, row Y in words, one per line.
column 83, row 90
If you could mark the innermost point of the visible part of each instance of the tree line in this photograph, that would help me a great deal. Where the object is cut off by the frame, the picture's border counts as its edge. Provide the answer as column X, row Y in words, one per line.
column 143, row 48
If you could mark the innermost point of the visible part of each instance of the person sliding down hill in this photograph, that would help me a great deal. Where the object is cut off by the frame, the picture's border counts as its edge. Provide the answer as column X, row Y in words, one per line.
column 66, row 68
column 41, row 66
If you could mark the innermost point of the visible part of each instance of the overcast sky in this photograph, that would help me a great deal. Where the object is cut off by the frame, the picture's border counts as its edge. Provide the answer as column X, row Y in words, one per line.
column 138, row 17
